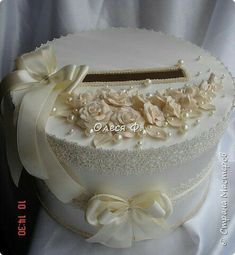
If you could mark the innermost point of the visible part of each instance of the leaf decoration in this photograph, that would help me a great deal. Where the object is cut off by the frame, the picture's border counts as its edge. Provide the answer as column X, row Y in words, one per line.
column 207, row 107
column 128, row 134
column 175, row 122
column 195, row 113
column 158, row 100
column 156, row 132
column 102, row 138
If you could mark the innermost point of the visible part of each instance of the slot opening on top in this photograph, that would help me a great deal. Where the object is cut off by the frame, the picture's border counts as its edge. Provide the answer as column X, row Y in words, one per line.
column 122, row 76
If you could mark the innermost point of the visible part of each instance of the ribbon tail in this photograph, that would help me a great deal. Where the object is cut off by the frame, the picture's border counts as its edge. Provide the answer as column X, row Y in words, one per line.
column 115, row 235
column 13, row 160
column 145, row 227
column 18, row 80
column 30, row 108
column 34, row 150
column 62, row 185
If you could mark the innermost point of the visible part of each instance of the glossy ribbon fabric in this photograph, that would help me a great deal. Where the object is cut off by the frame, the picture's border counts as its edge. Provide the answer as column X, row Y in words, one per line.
column 41, row 83
column 121, row 221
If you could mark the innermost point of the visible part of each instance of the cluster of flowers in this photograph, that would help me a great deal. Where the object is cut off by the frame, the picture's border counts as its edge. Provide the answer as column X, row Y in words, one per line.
column 152, row 112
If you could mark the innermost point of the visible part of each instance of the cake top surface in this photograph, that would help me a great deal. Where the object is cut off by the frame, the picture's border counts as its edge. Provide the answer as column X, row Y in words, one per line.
column 152, row 71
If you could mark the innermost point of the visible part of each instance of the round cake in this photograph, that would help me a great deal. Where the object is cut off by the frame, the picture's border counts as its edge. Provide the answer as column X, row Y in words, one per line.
column 120, row 128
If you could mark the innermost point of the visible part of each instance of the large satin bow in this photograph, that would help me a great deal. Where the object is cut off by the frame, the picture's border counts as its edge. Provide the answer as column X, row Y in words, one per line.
column 121, row 221
column 39, row 83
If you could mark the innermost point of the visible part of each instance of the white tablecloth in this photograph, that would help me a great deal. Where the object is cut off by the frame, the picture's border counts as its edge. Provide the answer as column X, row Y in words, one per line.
column 199, row 236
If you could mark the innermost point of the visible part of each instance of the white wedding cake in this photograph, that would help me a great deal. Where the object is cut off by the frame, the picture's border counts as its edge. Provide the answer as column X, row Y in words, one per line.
column 120, row 129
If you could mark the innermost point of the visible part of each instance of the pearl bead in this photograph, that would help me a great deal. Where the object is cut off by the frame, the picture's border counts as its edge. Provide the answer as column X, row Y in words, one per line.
column 69, row 99
column 166, row 124
column 180, row 62
column 186, row 114
column 158, row 133
column 169, row 134
column 211, row 113
column 131, row 87
column 117, row 138
column 139, row 143
column 199, row 58
column 107, row 86
column 71, row 118
column 75, row 110
column 70, row 132
column 184, row 128
column 197, row 122
column 54, row 109
column 147, row 82
column 223, row 76
column 89, row 132
column 124, row 91
column 142, row 132
column 149, row 95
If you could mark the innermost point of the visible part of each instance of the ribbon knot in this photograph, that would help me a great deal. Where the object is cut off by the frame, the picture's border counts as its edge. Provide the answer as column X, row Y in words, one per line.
column 121, row 221
column 46, row 79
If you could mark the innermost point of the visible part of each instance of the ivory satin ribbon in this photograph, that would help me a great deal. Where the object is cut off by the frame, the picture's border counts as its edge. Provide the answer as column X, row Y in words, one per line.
column 121, row 221
column 39, row 81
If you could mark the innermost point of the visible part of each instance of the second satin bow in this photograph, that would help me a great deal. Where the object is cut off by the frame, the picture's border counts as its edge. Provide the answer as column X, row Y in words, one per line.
column 121, row 221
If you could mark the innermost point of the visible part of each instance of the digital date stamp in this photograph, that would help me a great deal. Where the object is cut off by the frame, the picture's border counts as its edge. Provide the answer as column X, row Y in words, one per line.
column 21, row 219
column 224, row 199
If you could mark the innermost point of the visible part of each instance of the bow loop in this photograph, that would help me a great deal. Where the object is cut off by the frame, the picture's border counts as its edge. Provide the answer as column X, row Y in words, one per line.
column 103, row 209
column 39, row 64
column 155, row 203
